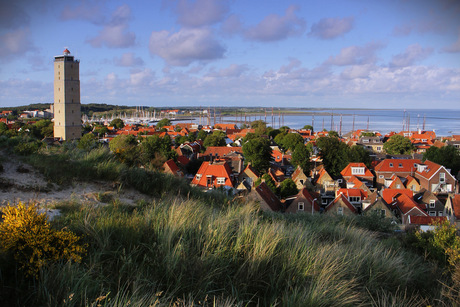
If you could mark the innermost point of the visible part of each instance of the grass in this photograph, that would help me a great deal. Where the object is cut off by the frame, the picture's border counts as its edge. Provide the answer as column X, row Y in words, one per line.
column 178, row 250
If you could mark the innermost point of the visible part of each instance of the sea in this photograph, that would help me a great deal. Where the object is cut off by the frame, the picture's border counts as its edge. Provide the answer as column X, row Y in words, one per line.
column 445, row 122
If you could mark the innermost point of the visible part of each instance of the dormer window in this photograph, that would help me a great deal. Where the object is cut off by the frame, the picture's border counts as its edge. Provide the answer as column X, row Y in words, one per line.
column 391, row 164
column 400, row 165
column 220, row 180
column 357, row 170
column 198, row 176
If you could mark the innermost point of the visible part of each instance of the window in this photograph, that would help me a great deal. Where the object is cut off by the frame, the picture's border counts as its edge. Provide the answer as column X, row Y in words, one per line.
column 365, row 140
column 432, row 203
column 221, row 180
column 440, row 213
column 381, row 176
column 340, row 211
column 198, row 176
column 301, row 206
column 301, row 181
column 391, row 164
column 442, row 177
column 432, row 213
column 398, row 186
column 357, row 170
column 400, row 165
column 379, row 148
column 355, row 199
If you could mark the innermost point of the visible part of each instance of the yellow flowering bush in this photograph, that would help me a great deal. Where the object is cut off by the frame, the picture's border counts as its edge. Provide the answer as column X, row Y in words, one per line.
column 28, row 235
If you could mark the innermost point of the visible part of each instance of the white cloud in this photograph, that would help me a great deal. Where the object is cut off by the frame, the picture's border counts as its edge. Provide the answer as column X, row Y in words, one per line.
column 329, row 28
column 84, row 10
column 15, row 43
column 412, row 54
column 355, row 55
column 233, row 71
column 128, row 60
column 186, row 46
column 115, row 33
column 201, row 12
column 274, row 27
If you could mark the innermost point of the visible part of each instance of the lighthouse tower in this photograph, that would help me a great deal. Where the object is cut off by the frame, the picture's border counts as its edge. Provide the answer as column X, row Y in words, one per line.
column 67, row 106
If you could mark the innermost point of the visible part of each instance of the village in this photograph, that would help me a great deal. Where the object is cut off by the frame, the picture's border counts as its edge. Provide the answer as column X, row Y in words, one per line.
column 407, row 188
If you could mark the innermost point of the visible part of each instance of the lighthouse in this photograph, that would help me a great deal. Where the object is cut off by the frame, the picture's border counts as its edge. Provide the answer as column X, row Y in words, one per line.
column 67, row 106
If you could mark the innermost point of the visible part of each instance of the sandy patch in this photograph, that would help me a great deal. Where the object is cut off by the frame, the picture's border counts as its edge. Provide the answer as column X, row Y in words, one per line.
column 21, row 182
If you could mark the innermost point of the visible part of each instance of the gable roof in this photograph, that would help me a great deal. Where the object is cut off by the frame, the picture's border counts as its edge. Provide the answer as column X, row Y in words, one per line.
column 298, row 172
column 268, row 196
column 456, row 205
column 396, row 181
column 397, row 165
column 407, row 204
column 431, row 169
column 388, row 195
column 345, row 201
column 249, row 168
column 411, row 180
column 425, row 220
column 311, row 197
column 347, row 171
column 220, row 151
column 353, row 193
column 215, row 170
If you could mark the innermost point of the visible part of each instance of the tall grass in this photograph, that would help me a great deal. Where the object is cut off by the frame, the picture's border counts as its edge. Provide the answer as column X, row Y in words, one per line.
column 179, row 250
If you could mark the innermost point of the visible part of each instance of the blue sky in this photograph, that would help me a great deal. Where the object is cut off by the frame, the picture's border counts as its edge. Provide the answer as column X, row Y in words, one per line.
column 347, row 53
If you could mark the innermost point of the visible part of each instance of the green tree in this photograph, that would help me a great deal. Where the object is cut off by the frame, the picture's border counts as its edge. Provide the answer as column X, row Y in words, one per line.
column 3, row 128
column 260, row 127
column 101, row 130
column 269, row 181
column 333, row 133
column 258, row 152
column 125, row 149
column 448, row 156
column 273, row 133
column 217, row 138
column 398, row 145
column 334, row 154
column 117, row 123
column 358, row 153
column 43, row 128
column 291, row 140
column 308, row 127
column 249, row 136
column 163, row 122
column 288, row 188
column 88, row 142
column 202, row 135
column 301, row 157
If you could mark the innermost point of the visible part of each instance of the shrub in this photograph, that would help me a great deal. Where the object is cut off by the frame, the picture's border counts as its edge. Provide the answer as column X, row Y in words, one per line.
column 27, row 234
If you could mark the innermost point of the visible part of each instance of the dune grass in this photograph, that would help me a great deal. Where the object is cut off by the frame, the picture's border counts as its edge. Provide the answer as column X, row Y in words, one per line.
column 184, row 251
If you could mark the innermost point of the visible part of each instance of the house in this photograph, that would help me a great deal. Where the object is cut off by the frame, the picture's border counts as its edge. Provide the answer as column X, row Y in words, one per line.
column 190, row 149
column 428, row 200
column 376, row 205
column 247, row 178
column 360, row 171
column 277, row 174
column 395, row 183
column 267, row 199
column 371, row 143
column 170, row 167
column 305, row 201
column 389, row 195
column 412, row 184
column 354, row 182
column 355, row 197
column 425, row 223
column 340, row 206
column 452, row 210
column 213, row 175
column 325, row 183
column 435, row 178
column 398, row 167
column 406, row 207
column 300, row 179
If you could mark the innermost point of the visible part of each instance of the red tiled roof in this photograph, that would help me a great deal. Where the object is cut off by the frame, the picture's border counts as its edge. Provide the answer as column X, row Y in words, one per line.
column 431, row 169
column 407, row 204
column 425, row 220
column 183, row 159
column 347, row 171
column 215, row 170
column 220, row 150
column 407, row 165
column 250, row 168
column 298, row 171
column 267, row 195
column 456, row 205
column 389, row 194
column 172, row 166
column 311, row 198
column 353, row 193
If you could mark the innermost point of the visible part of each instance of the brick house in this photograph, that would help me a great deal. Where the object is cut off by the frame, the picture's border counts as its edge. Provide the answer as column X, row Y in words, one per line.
column 360, row 171
column 247, row 178
column 213, row 175
column 340, row 206
column 305, row 201
column 452, row 210
column 435, row 178
column 399, row 167
column 267, row 199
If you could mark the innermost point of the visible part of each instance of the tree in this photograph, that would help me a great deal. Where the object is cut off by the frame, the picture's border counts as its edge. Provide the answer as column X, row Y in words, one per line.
column 163, row 122
column 249, row 136
column 398, row 145
column 358, row 153
column 117, row 123
column 260, row 126
column 308, row 127
column 301, row 157
column 448, row 156
column 125, row 149
column 217, row 138
column 101, row 130
column 334, row 154
column 333, row 133
column 291, row 140
column 88, row 141
column 288, row 188
column 3, row 128
column 201, row 135
column 259, row 153
column 270, row 183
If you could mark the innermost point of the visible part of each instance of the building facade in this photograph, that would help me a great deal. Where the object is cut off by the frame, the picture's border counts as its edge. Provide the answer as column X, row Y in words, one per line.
column 67, row 106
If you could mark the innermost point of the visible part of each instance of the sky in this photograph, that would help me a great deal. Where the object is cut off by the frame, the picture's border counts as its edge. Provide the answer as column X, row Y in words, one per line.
column 270, row 53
